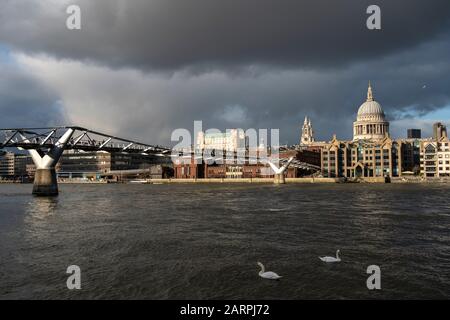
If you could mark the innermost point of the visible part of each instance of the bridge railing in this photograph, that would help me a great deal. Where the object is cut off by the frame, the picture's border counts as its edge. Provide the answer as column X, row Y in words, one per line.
column 81, row 139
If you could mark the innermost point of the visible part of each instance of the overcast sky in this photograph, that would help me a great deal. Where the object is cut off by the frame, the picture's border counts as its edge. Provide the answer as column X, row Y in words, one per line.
column 140, row 69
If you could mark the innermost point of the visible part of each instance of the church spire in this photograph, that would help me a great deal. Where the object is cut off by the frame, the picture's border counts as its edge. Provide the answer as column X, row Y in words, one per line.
column 369, row 93
column 307, row 136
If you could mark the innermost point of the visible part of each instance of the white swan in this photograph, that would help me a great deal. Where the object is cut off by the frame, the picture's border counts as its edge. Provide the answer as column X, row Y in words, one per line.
column 267, row 274
column 331, row 259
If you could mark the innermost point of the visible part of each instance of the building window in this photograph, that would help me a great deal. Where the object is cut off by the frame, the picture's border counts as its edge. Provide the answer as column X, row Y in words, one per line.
column 430, row 149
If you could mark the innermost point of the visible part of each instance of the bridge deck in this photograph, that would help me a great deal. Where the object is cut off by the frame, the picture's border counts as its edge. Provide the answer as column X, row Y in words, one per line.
column 82, row 139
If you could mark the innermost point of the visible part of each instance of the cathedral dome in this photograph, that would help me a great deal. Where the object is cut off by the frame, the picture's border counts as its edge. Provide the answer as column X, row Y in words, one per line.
column 371, row 109
column 370, row 122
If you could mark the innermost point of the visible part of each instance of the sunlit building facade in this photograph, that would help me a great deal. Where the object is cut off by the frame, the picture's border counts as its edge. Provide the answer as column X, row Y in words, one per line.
column 371, row 153
column 13, row 165
column 435, row 157
column 231, row 140
column 362, row 158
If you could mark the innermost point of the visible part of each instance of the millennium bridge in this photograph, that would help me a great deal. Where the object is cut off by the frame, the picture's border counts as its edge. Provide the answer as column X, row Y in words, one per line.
column 46, row 145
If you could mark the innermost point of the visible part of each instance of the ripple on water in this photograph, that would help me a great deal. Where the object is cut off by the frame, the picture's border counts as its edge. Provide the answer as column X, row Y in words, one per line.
column 203, row 241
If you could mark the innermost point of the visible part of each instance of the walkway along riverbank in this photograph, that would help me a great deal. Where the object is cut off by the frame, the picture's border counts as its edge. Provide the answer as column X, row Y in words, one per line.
column 254, row 180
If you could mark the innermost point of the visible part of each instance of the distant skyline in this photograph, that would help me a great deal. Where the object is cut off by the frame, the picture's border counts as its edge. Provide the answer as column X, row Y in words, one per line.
column 141, row 69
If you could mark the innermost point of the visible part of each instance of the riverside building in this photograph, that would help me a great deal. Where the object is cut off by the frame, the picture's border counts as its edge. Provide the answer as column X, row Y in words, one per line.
column 231, row 140
column 13, row 165
column 95, row 165
column 362, row 158
column 372, row 153
column 435, row 157
column 236, row 169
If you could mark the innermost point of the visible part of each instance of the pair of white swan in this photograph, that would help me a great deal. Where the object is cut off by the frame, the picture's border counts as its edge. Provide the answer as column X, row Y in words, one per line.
column 273, row 276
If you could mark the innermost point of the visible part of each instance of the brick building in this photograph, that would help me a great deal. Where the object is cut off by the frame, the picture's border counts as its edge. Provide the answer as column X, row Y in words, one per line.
column 234, row 169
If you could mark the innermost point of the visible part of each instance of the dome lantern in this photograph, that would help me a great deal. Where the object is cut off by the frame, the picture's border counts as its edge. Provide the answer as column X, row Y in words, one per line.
column 369, row 93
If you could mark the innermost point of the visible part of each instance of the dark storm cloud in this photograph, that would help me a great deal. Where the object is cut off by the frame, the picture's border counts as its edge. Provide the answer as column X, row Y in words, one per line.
column 150, row 106
column 24, row 102
column 171, row 34
column 230, row 63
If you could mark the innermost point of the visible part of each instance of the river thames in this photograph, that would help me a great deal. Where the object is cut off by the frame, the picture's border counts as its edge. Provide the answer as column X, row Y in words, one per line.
column 203, row 241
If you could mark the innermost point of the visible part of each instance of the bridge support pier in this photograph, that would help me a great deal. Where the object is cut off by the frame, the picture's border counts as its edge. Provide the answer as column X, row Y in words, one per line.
column 279, row 178
column 45, row 183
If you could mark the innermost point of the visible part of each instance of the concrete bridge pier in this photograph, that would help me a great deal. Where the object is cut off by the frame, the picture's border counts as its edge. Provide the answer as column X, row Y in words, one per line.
column 279, row 178
column 45, row 181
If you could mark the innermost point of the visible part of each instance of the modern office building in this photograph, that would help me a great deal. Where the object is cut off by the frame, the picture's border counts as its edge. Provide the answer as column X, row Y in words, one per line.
column 74, row 164
column 410, row 156
column 439, row 131
column 6, row 164
column 87, row 165
column 13, row 165
column 414, row 134
column 93, row 165
column 20, row 164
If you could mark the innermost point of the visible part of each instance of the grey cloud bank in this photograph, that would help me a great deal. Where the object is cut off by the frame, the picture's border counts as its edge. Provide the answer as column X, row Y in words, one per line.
column 144, row 68
column 25, row 101
column 168, row 34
